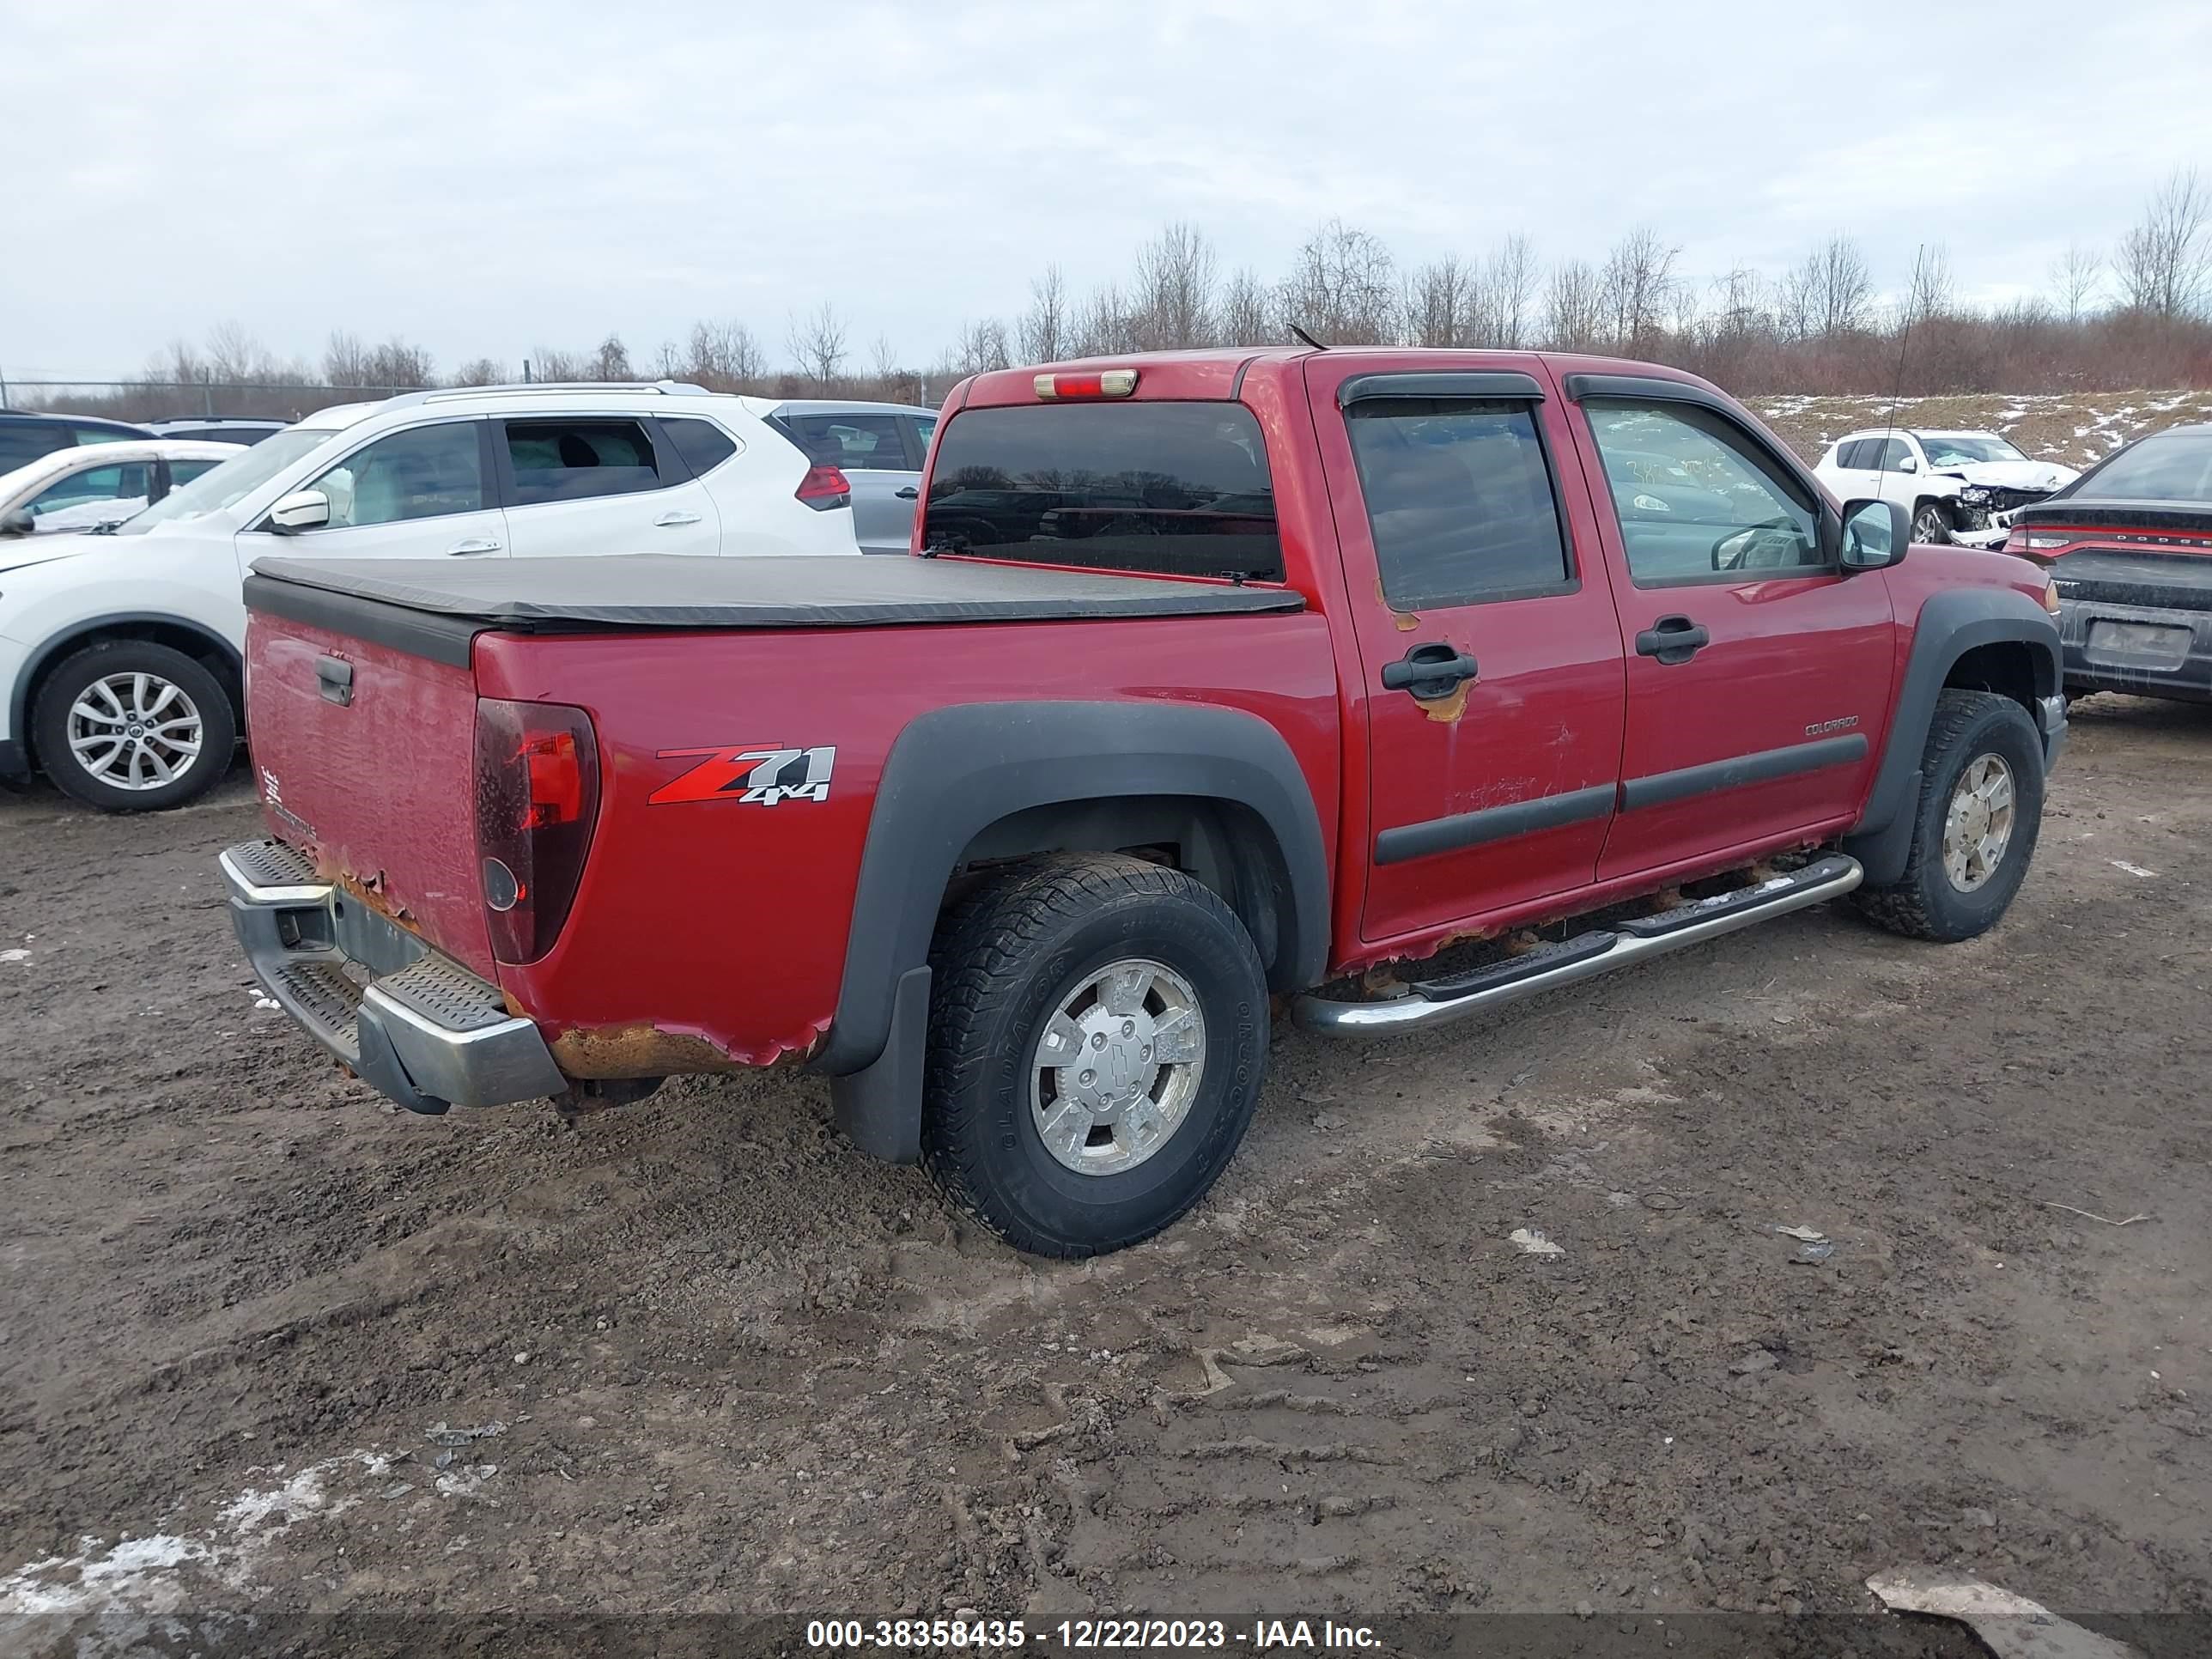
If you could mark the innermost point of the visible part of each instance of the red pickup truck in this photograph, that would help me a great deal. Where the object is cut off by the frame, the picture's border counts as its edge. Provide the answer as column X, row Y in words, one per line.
column 1218, row 677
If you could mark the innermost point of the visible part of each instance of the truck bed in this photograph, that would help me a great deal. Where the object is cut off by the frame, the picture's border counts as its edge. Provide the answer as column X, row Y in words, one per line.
column 659, row 590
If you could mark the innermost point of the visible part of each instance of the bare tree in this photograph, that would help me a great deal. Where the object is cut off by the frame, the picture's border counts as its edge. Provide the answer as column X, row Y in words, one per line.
column 1505, row 294
column 1829, row 292
column 395, row 364
column 883, row 362
column 345, row 360
column 725, row 356
column 1438, row 304
column 1932, row 293
column 1043, row 333
column 2076, row 276
column 610, row 361
column 1103, row 325
column 1574, row 306
column 982, row 349
column 817, row 341
column 480, row 371
column 1173, row 304
column 2164, row 265
column 1637, row 288
column 1341, row 290
column 1244, row 319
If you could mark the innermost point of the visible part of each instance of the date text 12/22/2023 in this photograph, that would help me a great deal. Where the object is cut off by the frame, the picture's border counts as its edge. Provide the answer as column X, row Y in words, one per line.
column 1091, row 1635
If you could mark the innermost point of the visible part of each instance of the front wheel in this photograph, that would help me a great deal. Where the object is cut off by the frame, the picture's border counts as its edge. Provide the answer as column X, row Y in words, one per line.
column 1931, row 525
column 1099, row 1032
column 1981, row 806
column 129, row 725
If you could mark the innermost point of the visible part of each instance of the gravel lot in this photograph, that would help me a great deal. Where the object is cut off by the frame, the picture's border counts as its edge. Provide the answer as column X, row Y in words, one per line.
column 721, row 1364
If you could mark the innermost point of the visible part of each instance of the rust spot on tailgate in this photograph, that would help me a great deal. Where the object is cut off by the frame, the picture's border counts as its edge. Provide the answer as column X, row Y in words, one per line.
column 644, row 1049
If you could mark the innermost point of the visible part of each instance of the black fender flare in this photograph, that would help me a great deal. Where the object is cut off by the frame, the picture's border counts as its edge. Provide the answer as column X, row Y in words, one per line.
column 1950, row 624
column 19, row 695
column 955, row 771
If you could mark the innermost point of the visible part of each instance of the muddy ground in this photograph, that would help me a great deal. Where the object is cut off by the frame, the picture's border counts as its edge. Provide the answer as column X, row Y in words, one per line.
column 724, row 1365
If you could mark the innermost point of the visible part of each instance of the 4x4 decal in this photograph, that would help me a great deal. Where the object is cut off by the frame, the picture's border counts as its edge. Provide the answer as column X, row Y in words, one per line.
column 756, row 777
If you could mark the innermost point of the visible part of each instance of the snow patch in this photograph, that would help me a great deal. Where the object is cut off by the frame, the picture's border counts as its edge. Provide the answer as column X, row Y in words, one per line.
column 129, row 1585
column 15, row 956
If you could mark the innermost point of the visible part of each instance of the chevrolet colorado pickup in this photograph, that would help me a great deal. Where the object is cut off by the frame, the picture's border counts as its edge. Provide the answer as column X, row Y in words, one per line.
column 1216, row 677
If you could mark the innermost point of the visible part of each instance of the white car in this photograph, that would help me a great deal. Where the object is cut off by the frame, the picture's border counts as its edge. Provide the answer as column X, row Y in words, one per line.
column 91, row 485
column 1958, row 486
column 120, row 654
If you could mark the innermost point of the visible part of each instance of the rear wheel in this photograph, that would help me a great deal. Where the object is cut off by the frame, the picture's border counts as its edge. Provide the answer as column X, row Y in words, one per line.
column 1981, row 806
column 1931, row 523
column 1099, row 1032
column 129, row 725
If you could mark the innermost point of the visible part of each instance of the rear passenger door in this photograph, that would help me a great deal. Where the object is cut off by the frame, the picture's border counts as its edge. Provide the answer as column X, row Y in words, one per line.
column 1490, row 653
column 578, row 485
column 873, row 452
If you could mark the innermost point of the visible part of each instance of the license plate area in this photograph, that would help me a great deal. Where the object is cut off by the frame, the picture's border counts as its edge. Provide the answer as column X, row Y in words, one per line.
column 2138, row 644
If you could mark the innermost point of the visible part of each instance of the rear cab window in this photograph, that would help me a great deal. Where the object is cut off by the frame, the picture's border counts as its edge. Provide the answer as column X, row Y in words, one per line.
column 1164, row 487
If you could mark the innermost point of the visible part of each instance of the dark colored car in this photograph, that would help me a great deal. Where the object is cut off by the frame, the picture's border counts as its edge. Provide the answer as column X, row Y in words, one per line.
column 2128, row 547
column 218, row 431
column 25, row 437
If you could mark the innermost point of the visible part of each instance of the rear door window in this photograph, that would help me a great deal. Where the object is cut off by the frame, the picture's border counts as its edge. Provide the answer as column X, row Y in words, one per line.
column 26, row 440
column 855, row 443
column 572, row 461
column 1175, row 489
column 1460, row 499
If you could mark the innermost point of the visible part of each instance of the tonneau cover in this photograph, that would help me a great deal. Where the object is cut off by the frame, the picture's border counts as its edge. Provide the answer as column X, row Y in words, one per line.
column 661, row 590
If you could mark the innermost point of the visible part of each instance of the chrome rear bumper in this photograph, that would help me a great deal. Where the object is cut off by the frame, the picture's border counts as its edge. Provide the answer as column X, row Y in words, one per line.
column 415, row 1024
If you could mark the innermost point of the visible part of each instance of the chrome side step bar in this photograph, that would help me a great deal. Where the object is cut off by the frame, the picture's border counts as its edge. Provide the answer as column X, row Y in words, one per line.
column 1440, row 1001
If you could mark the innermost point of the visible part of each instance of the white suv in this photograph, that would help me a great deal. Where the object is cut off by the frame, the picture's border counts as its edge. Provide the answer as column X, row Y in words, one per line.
column 120, row 653
column 1958, row 486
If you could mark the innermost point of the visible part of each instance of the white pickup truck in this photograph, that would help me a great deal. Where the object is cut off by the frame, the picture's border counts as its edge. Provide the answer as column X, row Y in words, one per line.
column 1958, row 486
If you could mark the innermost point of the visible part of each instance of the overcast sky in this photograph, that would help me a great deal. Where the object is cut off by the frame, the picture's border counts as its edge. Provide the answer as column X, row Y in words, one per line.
column 484, row 180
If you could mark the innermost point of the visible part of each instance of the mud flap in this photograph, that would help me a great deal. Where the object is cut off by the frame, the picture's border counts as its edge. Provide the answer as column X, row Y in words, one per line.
column 878, row 1107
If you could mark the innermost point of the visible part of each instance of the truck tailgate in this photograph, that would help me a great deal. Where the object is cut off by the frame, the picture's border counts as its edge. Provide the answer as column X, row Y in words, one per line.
column 365, row 753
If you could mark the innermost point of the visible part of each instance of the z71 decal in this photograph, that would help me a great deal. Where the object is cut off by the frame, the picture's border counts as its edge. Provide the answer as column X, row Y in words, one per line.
column 753, row 777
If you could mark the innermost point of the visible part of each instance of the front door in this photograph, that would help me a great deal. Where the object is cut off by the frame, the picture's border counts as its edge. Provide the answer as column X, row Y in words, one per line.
column 1759, row 673
column 1489, row 650
column 423, row 492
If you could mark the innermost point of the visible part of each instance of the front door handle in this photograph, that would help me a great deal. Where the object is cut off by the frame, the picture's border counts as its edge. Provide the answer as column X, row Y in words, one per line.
column 475, row 544
column 1672, row 639
column 908, row 493
column 676, row 516
column 1429, row 672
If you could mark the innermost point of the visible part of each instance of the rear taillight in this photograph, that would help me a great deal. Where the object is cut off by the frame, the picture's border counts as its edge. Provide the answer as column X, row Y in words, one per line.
column 538, row 793
column 825, row 487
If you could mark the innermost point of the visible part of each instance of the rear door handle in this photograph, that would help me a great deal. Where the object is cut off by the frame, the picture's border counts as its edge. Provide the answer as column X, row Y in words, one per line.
column 1672, row 639
column 676, row 516
column 1429, row 672
column 908, row 493
column 475, row 544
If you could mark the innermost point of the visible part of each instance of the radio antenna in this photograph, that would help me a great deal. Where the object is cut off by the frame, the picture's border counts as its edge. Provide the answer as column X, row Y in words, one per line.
column 1305, row 339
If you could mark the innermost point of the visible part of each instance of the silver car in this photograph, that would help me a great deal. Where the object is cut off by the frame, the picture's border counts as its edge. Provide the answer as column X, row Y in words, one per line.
column 878, row 447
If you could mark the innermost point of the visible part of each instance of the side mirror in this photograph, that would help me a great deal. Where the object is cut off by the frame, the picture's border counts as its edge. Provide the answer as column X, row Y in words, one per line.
column 303, row 509
column 1908, row 465
column 1876, row 534
column 18, row 522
